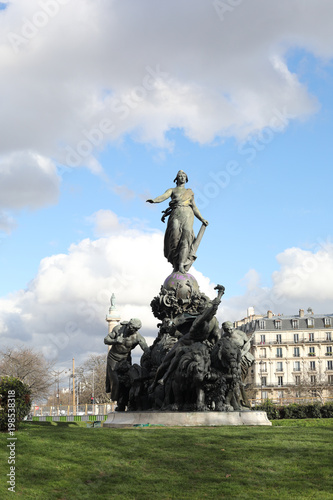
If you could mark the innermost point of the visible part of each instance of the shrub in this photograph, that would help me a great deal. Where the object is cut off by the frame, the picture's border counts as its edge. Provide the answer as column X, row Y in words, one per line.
column 313, row 410
column 19, row 403
column 270, row 408
column 327, row 410
column 296, row 411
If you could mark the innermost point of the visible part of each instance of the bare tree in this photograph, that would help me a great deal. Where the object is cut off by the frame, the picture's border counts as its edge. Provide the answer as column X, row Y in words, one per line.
column 31, row 368
column 91, row 379
column 314, row 384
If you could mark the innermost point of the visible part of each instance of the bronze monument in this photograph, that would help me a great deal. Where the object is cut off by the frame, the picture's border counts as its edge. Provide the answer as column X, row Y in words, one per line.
column 194, row 365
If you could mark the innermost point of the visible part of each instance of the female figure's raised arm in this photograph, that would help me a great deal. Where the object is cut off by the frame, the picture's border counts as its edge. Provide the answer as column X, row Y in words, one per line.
column 162, row 197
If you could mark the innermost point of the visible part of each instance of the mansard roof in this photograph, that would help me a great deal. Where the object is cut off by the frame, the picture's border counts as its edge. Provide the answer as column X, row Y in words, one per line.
column 287, row 322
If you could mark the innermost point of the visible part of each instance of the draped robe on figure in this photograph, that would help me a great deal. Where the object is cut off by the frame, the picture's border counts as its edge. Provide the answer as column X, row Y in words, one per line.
column 179, row 232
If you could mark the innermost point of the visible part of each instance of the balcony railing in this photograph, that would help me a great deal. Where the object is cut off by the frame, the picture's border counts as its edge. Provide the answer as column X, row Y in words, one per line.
column 288, row 342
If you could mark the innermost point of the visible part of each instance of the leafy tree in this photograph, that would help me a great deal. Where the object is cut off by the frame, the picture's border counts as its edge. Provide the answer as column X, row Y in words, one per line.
column 15, row 403
column 31, row 368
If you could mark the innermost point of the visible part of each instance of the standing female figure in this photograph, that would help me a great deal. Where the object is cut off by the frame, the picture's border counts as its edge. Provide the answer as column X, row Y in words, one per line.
column 179, row 236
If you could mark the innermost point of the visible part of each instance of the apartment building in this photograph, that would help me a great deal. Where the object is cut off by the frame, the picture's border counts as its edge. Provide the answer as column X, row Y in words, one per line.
column 293, row 354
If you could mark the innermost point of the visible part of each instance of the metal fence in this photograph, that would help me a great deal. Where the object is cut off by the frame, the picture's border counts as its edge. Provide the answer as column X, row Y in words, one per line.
column 68, row 410
column 104, row 409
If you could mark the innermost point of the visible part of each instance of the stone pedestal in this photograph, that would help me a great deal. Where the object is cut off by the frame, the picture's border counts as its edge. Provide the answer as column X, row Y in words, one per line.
column 184, row 419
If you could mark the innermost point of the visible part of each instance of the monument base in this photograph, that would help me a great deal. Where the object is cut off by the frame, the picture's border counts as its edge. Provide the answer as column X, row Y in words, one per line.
column 186, row 419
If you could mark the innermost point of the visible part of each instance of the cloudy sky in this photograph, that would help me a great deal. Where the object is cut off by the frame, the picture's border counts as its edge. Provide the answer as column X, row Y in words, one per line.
column 103, row 101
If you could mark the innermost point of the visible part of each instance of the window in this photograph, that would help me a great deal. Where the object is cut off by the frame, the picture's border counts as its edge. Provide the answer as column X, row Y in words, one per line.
column 262, row 353
column 330, row 365
column 296, row 338
column 311, row 337
column 294, row 323
column 312, row 365
column 312, row 351
column 279, row 366
column 313, row 379
column 327, row 322
column 310, row 322
column 262, row 339
column 297, row 380
column 280, row 381
column 264, row 395
column 297, row 366
column 278, row 338
column 328, row 336
column 278, row 324
column 330, row 379
column 264, row 381
column 263, row 367
column 279, row 352
column 329, row 350
column 262, row 324
column 296, row 352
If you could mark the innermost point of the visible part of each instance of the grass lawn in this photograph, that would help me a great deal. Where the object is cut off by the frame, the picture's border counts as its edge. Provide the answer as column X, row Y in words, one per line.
column 291, row 460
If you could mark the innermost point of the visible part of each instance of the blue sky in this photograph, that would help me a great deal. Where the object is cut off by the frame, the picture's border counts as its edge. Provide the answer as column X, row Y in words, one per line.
column 241, row 100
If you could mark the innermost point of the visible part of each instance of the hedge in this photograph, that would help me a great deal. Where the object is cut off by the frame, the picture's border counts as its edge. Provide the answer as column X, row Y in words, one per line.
column 15, row 403
column 294, row 411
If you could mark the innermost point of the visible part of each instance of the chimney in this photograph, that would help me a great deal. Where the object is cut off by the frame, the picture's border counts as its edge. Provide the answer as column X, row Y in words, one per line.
column 301, row 313
column 269, row 314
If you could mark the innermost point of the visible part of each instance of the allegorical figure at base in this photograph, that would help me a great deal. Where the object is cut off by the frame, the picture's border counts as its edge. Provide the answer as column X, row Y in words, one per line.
column 122, row 339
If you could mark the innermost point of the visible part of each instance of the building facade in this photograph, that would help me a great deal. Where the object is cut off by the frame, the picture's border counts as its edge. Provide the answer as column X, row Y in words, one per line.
column 293, row 355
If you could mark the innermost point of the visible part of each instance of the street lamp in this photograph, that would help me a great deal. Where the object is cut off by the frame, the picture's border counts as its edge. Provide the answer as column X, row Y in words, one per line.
column 93, row 393
column 57, row 382
column 72, row 375
column 74, row 408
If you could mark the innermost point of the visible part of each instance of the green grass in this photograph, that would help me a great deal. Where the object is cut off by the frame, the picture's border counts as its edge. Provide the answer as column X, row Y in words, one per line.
column 69, row 461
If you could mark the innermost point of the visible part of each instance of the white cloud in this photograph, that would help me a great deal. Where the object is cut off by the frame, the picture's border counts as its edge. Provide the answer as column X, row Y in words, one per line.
column 7, row 222
column 79, row 74
column 62, row 310
column 27, row 179
column 306, row 275
column 145, row 67
column 107, row 223
column 304, row 279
